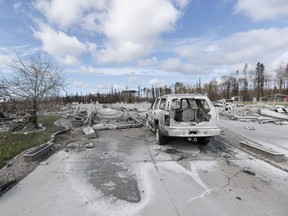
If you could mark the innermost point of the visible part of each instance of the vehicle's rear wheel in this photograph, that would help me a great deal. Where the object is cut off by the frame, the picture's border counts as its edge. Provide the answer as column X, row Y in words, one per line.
column 160, row 139
column 203, row 140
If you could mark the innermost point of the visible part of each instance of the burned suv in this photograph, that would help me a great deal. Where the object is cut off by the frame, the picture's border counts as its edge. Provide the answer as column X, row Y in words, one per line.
column 183, row 115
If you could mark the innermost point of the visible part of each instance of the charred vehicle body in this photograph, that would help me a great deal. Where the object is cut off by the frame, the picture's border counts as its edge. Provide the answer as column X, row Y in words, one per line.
column 186, row 115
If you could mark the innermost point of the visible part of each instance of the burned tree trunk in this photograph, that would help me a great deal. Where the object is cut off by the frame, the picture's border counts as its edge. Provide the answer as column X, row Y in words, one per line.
column 33, row 117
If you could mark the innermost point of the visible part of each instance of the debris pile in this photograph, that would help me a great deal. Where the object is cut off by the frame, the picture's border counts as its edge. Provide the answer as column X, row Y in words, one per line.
column 276, row 115
column 6, row 120
column 4, row 117
column 119, row 116
column 108, row 117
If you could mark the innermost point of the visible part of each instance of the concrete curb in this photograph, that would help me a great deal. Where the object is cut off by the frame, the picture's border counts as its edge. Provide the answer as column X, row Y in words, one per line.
column 261, row 150
column 39, row 151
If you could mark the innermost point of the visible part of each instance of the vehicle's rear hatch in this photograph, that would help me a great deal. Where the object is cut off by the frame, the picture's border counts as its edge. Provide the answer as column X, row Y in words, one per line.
column 192, row 111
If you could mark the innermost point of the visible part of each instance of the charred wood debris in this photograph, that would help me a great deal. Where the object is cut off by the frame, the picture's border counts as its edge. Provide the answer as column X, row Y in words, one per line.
column 107, row 117
column 257, row 113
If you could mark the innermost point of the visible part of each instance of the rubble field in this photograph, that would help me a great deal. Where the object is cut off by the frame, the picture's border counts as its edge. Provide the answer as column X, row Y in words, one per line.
column 80, row 118
column 88, row 120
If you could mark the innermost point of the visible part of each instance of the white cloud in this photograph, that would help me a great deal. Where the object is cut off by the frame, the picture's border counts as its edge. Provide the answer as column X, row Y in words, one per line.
column 91, row 21
column 133, row 27
column 132, row 79
column 262, row 10
column 64, row 13
column 253, row 45
column 123, row 52
column 282, row 60
column 171, row 64
column 121, row 71
column 90, row 70
column 147, row 62
column 130, row 29
column 182, row 3
column 63, row 47
column 108, row 86
column 104, row 86
column 80, row 84
column 125, row 16
column 176, row 65
column 157, row 82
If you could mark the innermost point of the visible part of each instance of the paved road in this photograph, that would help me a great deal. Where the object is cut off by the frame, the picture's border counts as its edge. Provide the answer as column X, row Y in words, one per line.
column 126, row 173
column 268, row 135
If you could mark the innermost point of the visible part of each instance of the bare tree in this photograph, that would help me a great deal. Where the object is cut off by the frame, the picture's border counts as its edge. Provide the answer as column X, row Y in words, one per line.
column 286, row 78
column 212, row 89
column 259, row 79
column 179, row 88
column 280, row 78
column 32, row 78
column 245, row 82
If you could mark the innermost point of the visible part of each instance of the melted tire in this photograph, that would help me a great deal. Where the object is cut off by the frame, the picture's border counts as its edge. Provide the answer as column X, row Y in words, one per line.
column 160, row 139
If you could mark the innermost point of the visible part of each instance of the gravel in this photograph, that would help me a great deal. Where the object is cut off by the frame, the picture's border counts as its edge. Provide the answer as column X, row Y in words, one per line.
column 14, row 171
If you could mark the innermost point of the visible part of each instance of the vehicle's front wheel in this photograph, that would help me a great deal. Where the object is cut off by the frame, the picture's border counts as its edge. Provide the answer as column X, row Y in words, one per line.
column 203, row 140
column 160, row 139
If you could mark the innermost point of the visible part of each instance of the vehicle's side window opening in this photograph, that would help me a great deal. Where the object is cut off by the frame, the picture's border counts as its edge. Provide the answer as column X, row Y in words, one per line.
column 155, row 106
column 162, row 104
column 193, row 104
column 203, row 109
column 152, row 105
column 176, row 109
column 184, row 104
column 175, row 104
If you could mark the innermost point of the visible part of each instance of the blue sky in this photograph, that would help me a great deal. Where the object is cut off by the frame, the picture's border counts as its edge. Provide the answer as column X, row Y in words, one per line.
column 129, row 43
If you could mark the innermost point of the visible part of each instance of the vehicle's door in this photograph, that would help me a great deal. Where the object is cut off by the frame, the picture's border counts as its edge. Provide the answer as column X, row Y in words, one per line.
column 152, row 111
column 161, row 111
